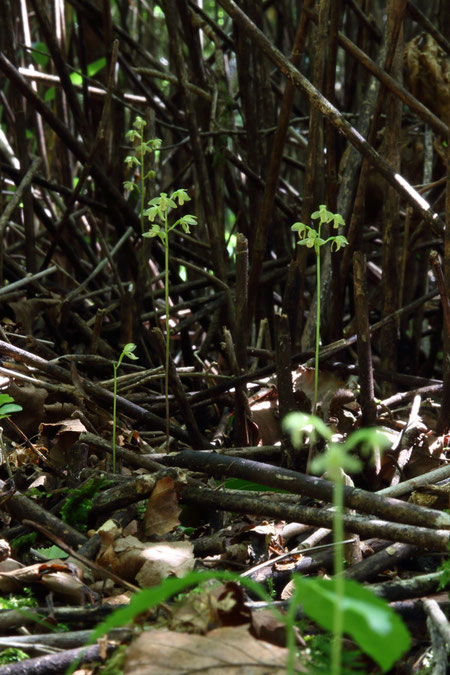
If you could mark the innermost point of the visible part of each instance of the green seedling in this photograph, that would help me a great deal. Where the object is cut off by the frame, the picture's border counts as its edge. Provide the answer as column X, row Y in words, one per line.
column 137, row 161
column 308, row 236
column 126, row 351
column 159, row 208
column 338, row 607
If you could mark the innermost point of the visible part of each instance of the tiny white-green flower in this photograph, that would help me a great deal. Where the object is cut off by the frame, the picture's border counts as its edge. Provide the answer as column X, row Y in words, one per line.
column 338, row 242
column 181, row 195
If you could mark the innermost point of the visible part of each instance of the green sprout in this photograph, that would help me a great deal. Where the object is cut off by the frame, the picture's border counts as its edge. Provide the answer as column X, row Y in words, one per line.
column 308, row 236
column 126, row 351
column 159, row 208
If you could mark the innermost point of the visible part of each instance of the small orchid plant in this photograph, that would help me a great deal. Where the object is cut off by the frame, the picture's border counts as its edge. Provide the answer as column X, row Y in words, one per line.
column 159, row 208
column 310, row 237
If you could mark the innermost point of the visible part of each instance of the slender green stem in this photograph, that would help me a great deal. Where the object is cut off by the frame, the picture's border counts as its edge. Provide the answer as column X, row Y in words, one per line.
column 338, row 537
column 166, row 289
column 291, row 642
column 114, row 416
column 142, row 180
column 316, row 356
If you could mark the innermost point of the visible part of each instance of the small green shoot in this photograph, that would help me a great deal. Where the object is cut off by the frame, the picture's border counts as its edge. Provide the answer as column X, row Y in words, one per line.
column 159, row 208
column 308, row 236
column 126, row 351
column 344, row 595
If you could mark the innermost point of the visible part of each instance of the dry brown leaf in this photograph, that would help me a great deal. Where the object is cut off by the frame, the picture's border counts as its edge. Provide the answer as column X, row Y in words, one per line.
column 56, row 576
column 9, row 565
column 146, row 563
column 162, row 512
column 228, row 651
column 206, row 608
column 427, row 73
column 328, row 385
column 107, row 556
column 164, row 559
column 267, row 424
column 60, row 437
column 26, row 310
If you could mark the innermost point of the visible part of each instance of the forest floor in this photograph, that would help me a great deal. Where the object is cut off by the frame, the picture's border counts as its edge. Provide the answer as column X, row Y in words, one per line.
column 169, row 503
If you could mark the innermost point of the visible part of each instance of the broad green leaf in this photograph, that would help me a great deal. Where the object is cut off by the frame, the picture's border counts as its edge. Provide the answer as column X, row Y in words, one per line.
column 9, row 409
column 6, row 398
column 369, row 620
column 240, row 484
